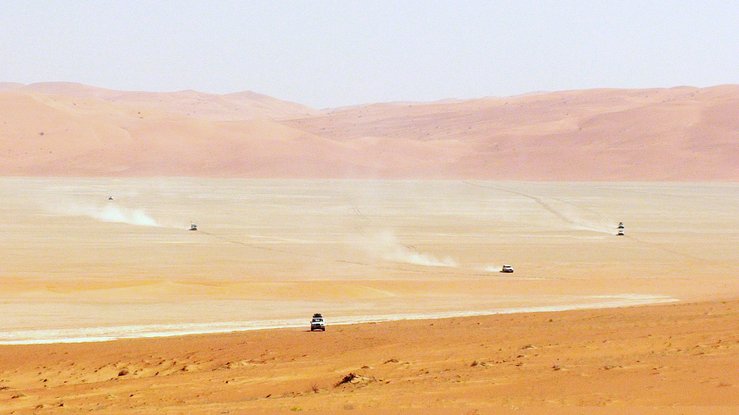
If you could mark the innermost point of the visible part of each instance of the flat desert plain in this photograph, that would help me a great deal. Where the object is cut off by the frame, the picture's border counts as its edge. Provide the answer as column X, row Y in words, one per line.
column 416, row 262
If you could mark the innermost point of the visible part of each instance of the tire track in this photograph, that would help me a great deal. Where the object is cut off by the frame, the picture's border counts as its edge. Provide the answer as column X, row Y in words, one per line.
column 536, row 199
column 559, row 215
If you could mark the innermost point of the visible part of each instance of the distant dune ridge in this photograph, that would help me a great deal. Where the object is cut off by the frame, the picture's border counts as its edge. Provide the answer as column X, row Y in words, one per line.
column 66, row 129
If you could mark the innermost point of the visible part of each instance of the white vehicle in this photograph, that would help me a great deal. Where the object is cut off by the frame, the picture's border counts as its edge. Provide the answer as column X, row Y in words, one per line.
column 620, row 229
column 193, row 227
column 317, row 323
column 507, row 269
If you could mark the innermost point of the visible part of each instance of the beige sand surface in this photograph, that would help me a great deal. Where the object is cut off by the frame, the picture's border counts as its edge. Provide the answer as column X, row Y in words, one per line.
column 676, row 134
column 75, row 264
column 669, row 359
column 270, row 252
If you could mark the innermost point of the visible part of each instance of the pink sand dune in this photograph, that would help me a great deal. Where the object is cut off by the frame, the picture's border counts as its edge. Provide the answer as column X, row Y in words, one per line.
column 679, row 133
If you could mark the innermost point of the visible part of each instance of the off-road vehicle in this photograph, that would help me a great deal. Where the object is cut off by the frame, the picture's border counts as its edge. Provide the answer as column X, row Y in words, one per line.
column 317, row 323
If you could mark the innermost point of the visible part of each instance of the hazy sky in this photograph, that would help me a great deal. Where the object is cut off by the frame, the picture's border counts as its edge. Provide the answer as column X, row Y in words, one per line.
column 332, row 53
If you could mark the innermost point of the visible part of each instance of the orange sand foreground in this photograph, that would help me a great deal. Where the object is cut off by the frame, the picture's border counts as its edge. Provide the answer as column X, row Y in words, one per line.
column 677, row 358
column 74, row 262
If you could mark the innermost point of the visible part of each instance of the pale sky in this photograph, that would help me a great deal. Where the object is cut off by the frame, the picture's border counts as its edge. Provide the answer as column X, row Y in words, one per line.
column 335, row 53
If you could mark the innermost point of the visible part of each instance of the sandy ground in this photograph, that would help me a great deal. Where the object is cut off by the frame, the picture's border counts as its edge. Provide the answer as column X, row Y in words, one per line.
column 668, row 359
column 277, row 251
column 75, row 263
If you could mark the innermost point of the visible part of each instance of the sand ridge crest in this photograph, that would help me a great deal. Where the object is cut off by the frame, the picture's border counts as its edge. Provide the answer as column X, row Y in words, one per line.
column 678, row 134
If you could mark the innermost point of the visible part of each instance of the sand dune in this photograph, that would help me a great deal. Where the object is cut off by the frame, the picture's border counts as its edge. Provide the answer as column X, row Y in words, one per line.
column 63, row 135
column 679, row 133
column 652, row 134
column 236, row 106
column 6, row 86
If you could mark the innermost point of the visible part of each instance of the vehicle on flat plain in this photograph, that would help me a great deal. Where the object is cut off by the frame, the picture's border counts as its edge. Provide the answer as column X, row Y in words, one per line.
column 507, row 269
column 317, row 323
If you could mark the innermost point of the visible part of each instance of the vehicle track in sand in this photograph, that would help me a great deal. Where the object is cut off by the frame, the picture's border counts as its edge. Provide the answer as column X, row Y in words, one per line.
column 549, row 208
column 540, row 201
column 296, row 254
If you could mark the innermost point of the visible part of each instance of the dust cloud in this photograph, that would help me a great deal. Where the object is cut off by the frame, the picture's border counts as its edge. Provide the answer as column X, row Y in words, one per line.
column 386, row 245
column 112, row 213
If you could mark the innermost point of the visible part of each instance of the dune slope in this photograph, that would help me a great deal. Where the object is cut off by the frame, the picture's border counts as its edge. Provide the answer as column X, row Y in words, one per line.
column 652, row 134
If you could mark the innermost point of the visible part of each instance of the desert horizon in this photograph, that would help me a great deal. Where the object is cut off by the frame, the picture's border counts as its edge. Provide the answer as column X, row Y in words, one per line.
column 666, row 134
column 475, row 207
column 394, row 221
